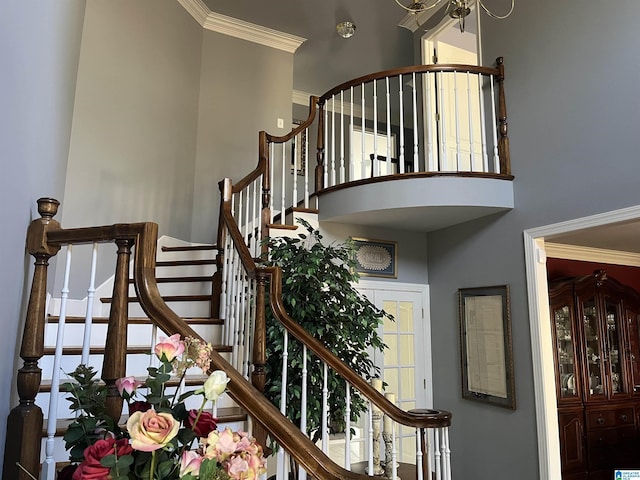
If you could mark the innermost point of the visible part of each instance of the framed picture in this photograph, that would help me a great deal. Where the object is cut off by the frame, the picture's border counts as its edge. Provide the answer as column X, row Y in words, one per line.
column 376, row 258
column 485, row 345
column 298, row 151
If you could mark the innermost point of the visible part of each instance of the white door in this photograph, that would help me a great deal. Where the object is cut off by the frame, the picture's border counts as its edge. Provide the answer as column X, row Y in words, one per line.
column 406, row 365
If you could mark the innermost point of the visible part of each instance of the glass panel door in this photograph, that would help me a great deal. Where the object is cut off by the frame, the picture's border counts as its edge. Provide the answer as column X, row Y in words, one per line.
column 633, row 320
column 593, row 348
column 566, row 360
column 613, row 344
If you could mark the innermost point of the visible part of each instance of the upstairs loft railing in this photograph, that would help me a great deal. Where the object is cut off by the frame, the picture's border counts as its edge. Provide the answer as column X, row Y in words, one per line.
column 415, row 121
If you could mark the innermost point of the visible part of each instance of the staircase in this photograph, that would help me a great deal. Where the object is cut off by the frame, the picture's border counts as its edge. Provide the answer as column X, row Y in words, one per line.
column 184, row 274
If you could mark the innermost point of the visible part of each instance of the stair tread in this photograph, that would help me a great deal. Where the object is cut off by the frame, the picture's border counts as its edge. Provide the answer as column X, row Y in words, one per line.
column 187, row 248
column 194, row 279
column 282, row 226
column 179, row 263
column 166, row 298
column 225, row 415
column 131, row 349
column 137, row 320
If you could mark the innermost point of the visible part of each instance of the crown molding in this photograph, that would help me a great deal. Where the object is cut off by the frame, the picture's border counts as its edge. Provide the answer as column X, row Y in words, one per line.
column 590, row 254
column 233, row 27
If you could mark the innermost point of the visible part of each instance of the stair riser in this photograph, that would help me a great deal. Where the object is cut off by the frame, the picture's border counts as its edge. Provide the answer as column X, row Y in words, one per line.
column 192, row 309
column 180, row 288
column 185, row 271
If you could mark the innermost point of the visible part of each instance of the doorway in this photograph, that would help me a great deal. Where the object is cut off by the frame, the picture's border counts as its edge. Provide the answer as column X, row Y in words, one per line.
column 535, row 242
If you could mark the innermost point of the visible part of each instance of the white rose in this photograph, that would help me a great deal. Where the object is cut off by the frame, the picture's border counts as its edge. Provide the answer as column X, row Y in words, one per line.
column 215, row 385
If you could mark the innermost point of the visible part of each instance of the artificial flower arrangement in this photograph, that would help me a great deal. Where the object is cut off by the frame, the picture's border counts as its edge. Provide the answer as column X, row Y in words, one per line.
column 163, row 440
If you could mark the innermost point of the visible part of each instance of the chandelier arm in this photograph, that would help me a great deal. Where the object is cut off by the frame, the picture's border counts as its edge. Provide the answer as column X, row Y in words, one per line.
column 416, row 11
column 491, row 14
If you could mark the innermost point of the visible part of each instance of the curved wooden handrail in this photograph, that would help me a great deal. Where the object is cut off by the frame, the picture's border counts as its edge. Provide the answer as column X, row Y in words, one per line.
column 408, row 70
column 417, row 420
column 313, row 107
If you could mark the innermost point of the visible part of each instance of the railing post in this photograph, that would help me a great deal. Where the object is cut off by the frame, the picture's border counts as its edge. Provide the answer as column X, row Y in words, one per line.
column 115, row 356
column 260, row 349
column 24, row 425
column 216, row 290
column 503, row 144
column 320, row 147
column 263, row 152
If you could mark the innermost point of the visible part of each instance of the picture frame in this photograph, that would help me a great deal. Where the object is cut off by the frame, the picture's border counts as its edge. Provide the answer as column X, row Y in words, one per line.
column 375, row 258
column 486, row 345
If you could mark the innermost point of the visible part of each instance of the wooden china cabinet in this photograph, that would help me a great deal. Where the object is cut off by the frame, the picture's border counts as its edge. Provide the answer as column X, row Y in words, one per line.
column 595, row 322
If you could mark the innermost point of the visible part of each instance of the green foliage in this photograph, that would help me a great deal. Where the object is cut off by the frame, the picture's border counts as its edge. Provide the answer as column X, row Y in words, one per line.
column 88, row 401
column 318, row 293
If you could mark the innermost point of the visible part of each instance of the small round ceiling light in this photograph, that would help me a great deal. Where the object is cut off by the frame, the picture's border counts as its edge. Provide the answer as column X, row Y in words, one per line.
column 346, row 29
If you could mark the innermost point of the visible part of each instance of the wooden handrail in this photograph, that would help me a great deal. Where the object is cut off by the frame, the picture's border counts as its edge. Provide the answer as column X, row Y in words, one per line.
column 408, row 70
column 417, row 420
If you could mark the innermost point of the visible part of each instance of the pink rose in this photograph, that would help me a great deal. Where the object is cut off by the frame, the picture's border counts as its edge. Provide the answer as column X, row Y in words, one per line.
column 150, row 430
column 91, row 468
column 205, row 425
column 127, row 386
column 190, row 463
column 237, row 467
column 169, row 348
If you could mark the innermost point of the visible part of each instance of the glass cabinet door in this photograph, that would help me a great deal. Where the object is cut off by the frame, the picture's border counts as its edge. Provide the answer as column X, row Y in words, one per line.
column 593, row 346
column 633, row 321
column 565, row 347
column 613, row 331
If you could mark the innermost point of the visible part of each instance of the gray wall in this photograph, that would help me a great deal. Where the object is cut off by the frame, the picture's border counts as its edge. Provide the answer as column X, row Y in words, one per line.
column 244, row 88
column 39, row 49
column 136, row 110
column 573, row 119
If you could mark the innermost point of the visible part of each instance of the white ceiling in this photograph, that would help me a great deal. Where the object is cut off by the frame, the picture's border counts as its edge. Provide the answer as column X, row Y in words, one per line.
column 623, row 236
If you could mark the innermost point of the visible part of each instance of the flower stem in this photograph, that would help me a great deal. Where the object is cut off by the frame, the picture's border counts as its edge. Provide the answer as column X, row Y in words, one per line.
column 153, row 465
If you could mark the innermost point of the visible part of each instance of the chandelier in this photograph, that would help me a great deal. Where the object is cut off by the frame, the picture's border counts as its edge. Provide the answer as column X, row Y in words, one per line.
column 458, row 9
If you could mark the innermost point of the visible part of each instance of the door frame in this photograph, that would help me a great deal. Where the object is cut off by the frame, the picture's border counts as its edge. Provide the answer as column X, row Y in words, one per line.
column 423, row 290
column 541, row 337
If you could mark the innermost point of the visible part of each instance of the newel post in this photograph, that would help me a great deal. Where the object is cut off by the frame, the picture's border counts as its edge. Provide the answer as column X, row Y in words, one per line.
column 216, row 291
column 259, row 360
column 24, row 425
column 115, row 356
column 503, row 143
column 265, row 162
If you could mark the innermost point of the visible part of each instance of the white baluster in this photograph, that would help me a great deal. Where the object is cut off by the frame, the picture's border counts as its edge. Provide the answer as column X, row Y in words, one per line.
column 494, row 123
column 472, row 154
column 281, row 465
column 333, row 140
column 325, row 168
column 375, row 170
column 442, row 122
column 302, row 474
column 342, row 136
column 325, row 410
column 429, row 124
column 49, row 465
column 401, row 115
column 419, row 453
column 437, row 454
column 294, row 163
column 258, row 228
column 447, row 453
column 347, row 428
column 88, row 319
column 457, row 114
column 388, row 161
column 351, row 159
column 282, row 186
column 483, row 129
column 394, row 452
column 306, row 169
column 370, row 445
column 415, row 122
column 271, row 175
column 362, row 148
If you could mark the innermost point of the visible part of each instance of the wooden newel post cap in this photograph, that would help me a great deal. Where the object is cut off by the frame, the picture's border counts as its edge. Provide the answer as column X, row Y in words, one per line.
column 37, row 232
column 48, row 207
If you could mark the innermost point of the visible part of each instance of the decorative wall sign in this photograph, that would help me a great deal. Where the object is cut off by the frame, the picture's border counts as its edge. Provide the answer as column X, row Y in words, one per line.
column 485, row 345
column 376, row 258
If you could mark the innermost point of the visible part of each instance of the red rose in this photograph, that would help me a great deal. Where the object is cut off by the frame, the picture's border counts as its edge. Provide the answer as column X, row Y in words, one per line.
column 91, row 469
column 207, row 423
column 138, row 406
